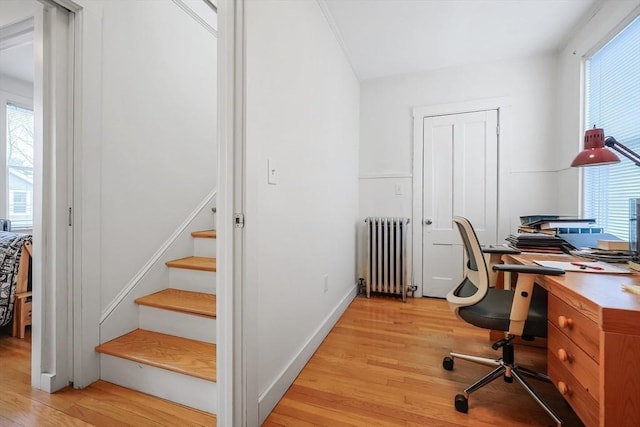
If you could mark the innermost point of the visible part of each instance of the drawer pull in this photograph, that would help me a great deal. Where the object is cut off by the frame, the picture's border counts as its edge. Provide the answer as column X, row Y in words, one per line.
column 563, row 388
column 565, row 322
column 563, row 355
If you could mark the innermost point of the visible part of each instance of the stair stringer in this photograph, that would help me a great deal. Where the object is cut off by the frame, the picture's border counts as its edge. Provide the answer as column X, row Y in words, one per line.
column 121, row 315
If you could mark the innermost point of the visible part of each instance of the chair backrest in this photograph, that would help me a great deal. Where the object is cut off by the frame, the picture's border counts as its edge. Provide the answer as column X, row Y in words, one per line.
column 475, row 281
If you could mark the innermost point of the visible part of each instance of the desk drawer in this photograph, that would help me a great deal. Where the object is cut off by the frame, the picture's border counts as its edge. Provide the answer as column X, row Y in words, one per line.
column 578, row 397
column 582, row 367
column 581, row 330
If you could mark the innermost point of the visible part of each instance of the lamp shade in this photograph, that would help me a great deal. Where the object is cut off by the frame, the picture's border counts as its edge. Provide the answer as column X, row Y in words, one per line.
column 594, row 153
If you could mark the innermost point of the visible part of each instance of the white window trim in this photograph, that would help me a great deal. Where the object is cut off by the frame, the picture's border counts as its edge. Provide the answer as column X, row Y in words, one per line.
column 20, row 101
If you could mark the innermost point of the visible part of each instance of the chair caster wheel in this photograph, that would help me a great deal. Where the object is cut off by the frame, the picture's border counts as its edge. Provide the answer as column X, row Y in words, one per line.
column 508, row 379
column 447, row 363
column 461, row 403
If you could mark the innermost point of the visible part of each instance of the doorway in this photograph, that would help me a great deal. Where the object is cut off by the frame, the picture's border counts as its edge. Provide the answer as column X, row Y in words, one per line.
column 39, row 40
column 459, row 178
column 455, row 173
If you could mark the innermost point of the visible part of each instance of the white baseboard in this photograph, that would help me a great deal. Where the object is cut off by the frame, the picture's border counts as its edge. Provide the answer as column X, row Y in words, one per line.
column 272, row 395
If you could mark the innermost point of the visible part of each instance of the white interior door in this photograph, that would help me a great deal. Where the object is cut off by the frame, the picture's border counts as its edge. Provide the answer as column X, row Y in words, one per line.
column 460, row 177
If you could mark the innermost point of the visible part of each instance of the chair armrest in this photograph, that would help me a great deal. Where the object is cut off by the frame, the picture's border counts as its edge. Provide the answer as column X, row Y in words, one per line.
column 529, row 269
column 23, row 295
column 499, row 249
column 523, row 291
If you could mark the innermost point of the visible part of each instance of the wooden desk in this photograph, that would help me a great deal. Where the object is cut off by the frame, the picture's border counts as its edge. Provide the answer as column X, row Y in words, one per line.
column 593, row 342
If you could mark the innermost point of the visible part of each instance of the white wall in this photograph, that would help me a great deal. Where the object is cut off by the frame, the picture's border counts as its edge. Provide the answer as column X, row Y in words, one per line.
column 302, row 112
column 157, row 125
column 158, row 151
column 528, row 141
column 17, row 10
column 612, row 16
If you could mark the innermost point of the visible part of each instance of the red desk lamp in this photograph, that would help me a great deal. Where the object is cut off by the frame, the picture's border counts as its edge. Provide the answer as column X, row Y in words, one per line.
column 595, row 151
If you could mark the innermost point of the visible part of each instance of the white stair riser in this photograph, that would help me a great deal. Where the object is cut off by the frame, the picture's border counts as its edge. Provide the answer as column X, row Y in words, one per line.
column 183, row 389
column 205, row 247
column 192, row 280
column 179, row 324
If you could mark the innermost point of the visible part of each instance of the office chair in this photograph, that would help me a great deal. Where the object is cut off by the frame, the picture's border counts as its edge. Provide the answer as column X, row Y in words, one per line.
column 520, row 312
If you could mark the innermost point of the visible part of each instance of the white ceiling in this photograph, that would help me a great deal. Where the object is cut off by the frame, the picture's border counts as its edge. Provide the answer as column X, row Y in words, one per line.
column 388, row 37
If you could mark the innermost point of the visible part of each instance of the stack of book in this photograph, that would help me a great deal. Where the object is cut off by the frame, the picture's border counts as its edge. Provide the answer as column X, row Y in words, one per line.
column 599, row 247
column 556, row 224
column 537, row 242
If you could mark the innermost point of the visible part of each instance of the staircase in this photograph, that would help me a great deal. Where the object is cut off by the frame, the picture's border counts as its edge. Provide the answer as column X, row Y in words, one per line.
column 172, row 354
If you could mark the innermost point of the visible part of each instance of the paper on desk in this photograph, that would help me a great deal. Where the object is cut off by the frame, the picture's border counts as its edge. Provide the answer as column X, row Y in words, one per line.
column 568, row 266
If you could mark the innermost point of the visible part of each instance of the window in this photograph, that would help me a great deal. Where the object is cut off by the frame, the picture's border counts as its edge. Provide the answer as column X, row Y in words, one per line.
column 613, row 103
column 19, row 205
column 20, row 166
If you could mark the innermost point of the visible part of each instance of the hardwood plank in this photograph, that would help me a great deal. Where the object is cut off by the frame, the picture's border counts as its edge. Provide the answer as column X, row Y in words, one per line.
column 381, row 364
column 205, row 234
column 24, row 411
column 286, row 421
column 177, row 354
column 198, row 303
column 100, row 404
column 152, row 408
column 194, row 263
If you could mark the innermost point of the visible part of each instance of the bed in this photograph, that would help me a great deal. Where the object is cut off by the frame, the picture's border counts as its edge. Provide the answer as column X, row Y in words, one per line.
column 15, row 281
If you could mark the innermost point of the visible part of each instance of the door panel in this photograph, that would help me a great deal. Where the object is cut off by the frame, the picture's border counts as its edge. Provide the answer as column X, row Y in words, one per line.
column 460, row 178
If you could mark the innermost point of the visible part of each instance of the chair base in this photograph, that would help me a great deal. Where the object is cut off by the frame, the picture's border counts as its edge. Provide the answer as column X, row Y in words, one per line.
column 504, row 367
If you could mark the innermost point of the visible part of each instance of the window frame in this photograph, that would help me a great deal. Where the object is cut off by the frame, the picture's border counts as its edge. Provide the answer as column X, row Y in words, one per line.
column 584, row 187
column 22, row 102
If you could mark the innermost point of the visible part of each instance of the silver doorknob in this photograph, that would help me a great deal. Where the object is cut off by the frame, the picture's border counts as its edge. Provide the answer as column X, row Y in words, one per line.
column 428, row 221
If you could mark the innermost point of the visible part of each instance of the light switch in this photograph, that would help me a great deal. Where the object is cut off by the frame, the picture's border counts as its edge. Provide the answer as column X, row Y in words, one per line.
column 272, row 171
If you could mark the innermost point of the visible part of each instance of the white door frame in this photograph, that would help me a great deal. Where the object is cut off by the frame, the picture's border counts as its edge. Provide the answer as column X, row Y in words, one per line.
column 53, row 267
column 502, row 104
column 237, row 352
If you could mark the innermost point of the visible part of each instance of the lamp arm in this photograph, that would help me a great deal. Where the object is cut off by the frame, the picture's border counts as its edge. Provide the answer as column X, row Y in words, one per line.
column 622, row 149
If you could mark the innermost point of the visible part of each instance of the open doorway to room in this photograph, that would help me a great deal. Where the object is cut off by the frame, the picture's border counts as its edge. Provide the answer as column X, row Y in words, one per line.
column 36, row 172
column 17, row 137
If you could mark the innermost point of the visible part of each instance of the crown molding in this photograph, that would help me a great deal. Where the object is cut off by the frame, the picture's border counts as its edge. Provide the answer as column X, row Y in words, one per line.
column 16, row 34
column 196, row 17
column 324, row 7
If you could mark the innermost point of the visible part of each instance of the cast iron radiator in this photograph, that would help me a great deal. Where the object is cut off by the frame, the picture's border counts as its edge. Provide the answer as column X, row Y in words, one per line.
column 387, row 263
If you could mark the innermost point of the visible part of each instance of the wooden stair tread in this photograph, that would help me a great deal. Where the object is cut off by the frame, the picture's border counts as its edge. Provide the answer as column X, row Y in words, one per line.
column 182, row 355
column 206, row 234
column 198, row 303
column 194, row 263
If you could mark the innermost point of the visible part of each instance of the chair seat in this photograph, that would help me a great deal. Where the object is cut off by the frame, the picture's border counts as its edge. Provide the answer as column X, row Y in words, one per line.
column 493, row 311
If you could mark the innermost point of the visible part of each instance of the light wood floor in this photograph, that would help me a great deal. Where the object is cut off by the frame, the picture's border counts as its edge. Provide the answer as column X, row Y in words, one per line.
column 101, row 404
column 381, row 365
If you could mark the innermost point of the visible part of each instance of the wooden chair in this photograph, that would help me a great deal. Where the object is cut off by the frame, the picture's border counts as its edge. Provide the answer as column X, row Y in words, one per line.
column 22, row 306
